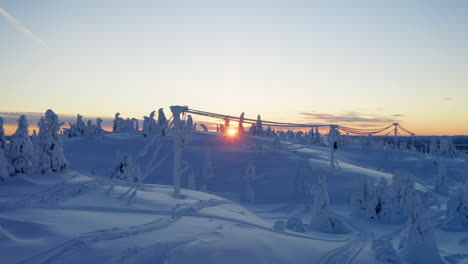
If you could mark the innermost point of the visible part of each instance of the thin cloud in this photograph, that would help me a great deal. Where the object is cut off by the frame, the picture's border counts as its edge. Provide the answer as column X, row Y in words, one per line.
column 447, row 99
column 22, row 28
column 398, row 115
column 348, row 117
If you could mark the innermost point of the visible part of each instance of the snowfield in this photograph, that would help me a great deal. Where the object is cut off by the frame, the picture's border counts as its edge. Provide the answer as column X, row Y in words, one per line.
column 72, row 217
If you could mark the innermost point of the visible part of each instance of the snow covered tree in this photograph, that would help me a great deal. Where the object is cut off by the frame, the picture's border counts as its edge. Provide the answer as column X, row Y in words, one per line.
column 457, row 211
column 118, row 123
column 259, row 127
column 162, row 122
column 441, row 186
column 121, row 169
column 149, row 125
column 323, row 219
column 248, row 193
column 189, row 123
column 253, row 129
column 419, row 245
column 360, row 201
column 80, row 127
column 49, row 150
column 21, row 148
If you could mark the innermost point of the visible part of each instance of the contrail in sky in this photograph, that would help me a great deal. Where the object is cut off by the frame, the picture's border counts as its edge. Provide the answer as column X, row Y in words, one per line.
column 22, row 28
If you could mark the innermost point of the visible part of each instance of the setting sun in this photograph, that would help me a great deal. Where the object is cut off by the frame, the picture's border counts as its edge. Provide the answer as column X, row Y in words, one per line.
column 232, row 132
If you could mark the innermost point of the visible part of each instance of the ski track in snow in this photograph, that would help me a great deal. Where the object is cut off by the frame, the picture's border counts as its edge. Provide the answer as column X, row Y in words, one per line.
column 53, row 194
column 347, row 253
column 56, row 254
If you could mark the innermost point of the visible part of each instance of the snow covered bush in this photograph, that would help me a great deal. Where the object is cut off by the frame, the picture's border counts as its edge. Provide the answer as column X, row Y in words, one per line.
column 21, row 149
column 457, row 211
column 248, row 193
column 323, row 219
column 49, row 149
column 418, row 245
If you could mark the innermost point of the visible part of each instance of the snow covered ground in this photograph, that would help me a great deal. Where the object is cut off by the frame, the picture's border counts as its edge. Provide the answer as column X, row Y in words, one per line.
column 69, row 217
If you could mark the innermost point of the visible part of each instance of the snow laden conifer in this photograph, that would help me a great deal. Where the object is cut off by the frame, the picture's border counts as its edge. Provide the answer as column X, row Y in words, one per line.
column 259, row 126
column 189, row 123
column 248, row 193
column 456, row 218
column 441, row 186
column 49, row 149
column 149, row 125
column 122, row 167
column 323, row 219
column 21, row 149
column 117, row 123
column 4, row 164
column 162, row 122
column 80, row 128
column 418, row 245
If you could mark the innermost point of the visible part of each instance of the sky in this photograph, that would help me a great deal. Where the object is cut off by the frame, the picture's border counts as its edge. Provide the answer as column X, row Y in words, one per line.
column 356, row 63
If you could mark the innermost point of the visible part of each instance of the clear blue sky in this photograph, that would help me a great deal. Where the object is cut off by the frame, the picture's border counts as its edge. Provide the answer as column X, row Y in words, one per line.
column 314, row 61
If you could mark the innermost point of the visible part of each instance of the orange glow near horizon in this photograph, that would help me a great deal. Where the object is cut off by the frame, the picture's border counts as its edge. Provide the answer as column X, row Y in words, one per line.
column 232, row 132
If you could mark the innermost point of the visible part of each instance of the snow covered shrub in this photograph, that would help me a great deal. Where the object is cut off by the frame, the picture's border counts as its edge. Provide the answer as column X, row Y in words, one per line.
column 21, row 148
column 418, row 245
column 323, row 219
column 248, row 193
column 441, row 186
column 122, row 167
column 49, row 149
column 457, row 211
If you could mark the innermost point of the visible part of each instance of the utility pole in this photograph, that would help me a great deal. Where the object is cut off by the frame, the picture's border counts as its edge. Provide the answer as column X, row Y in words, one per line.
column 396, row 134
column 179, row 139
